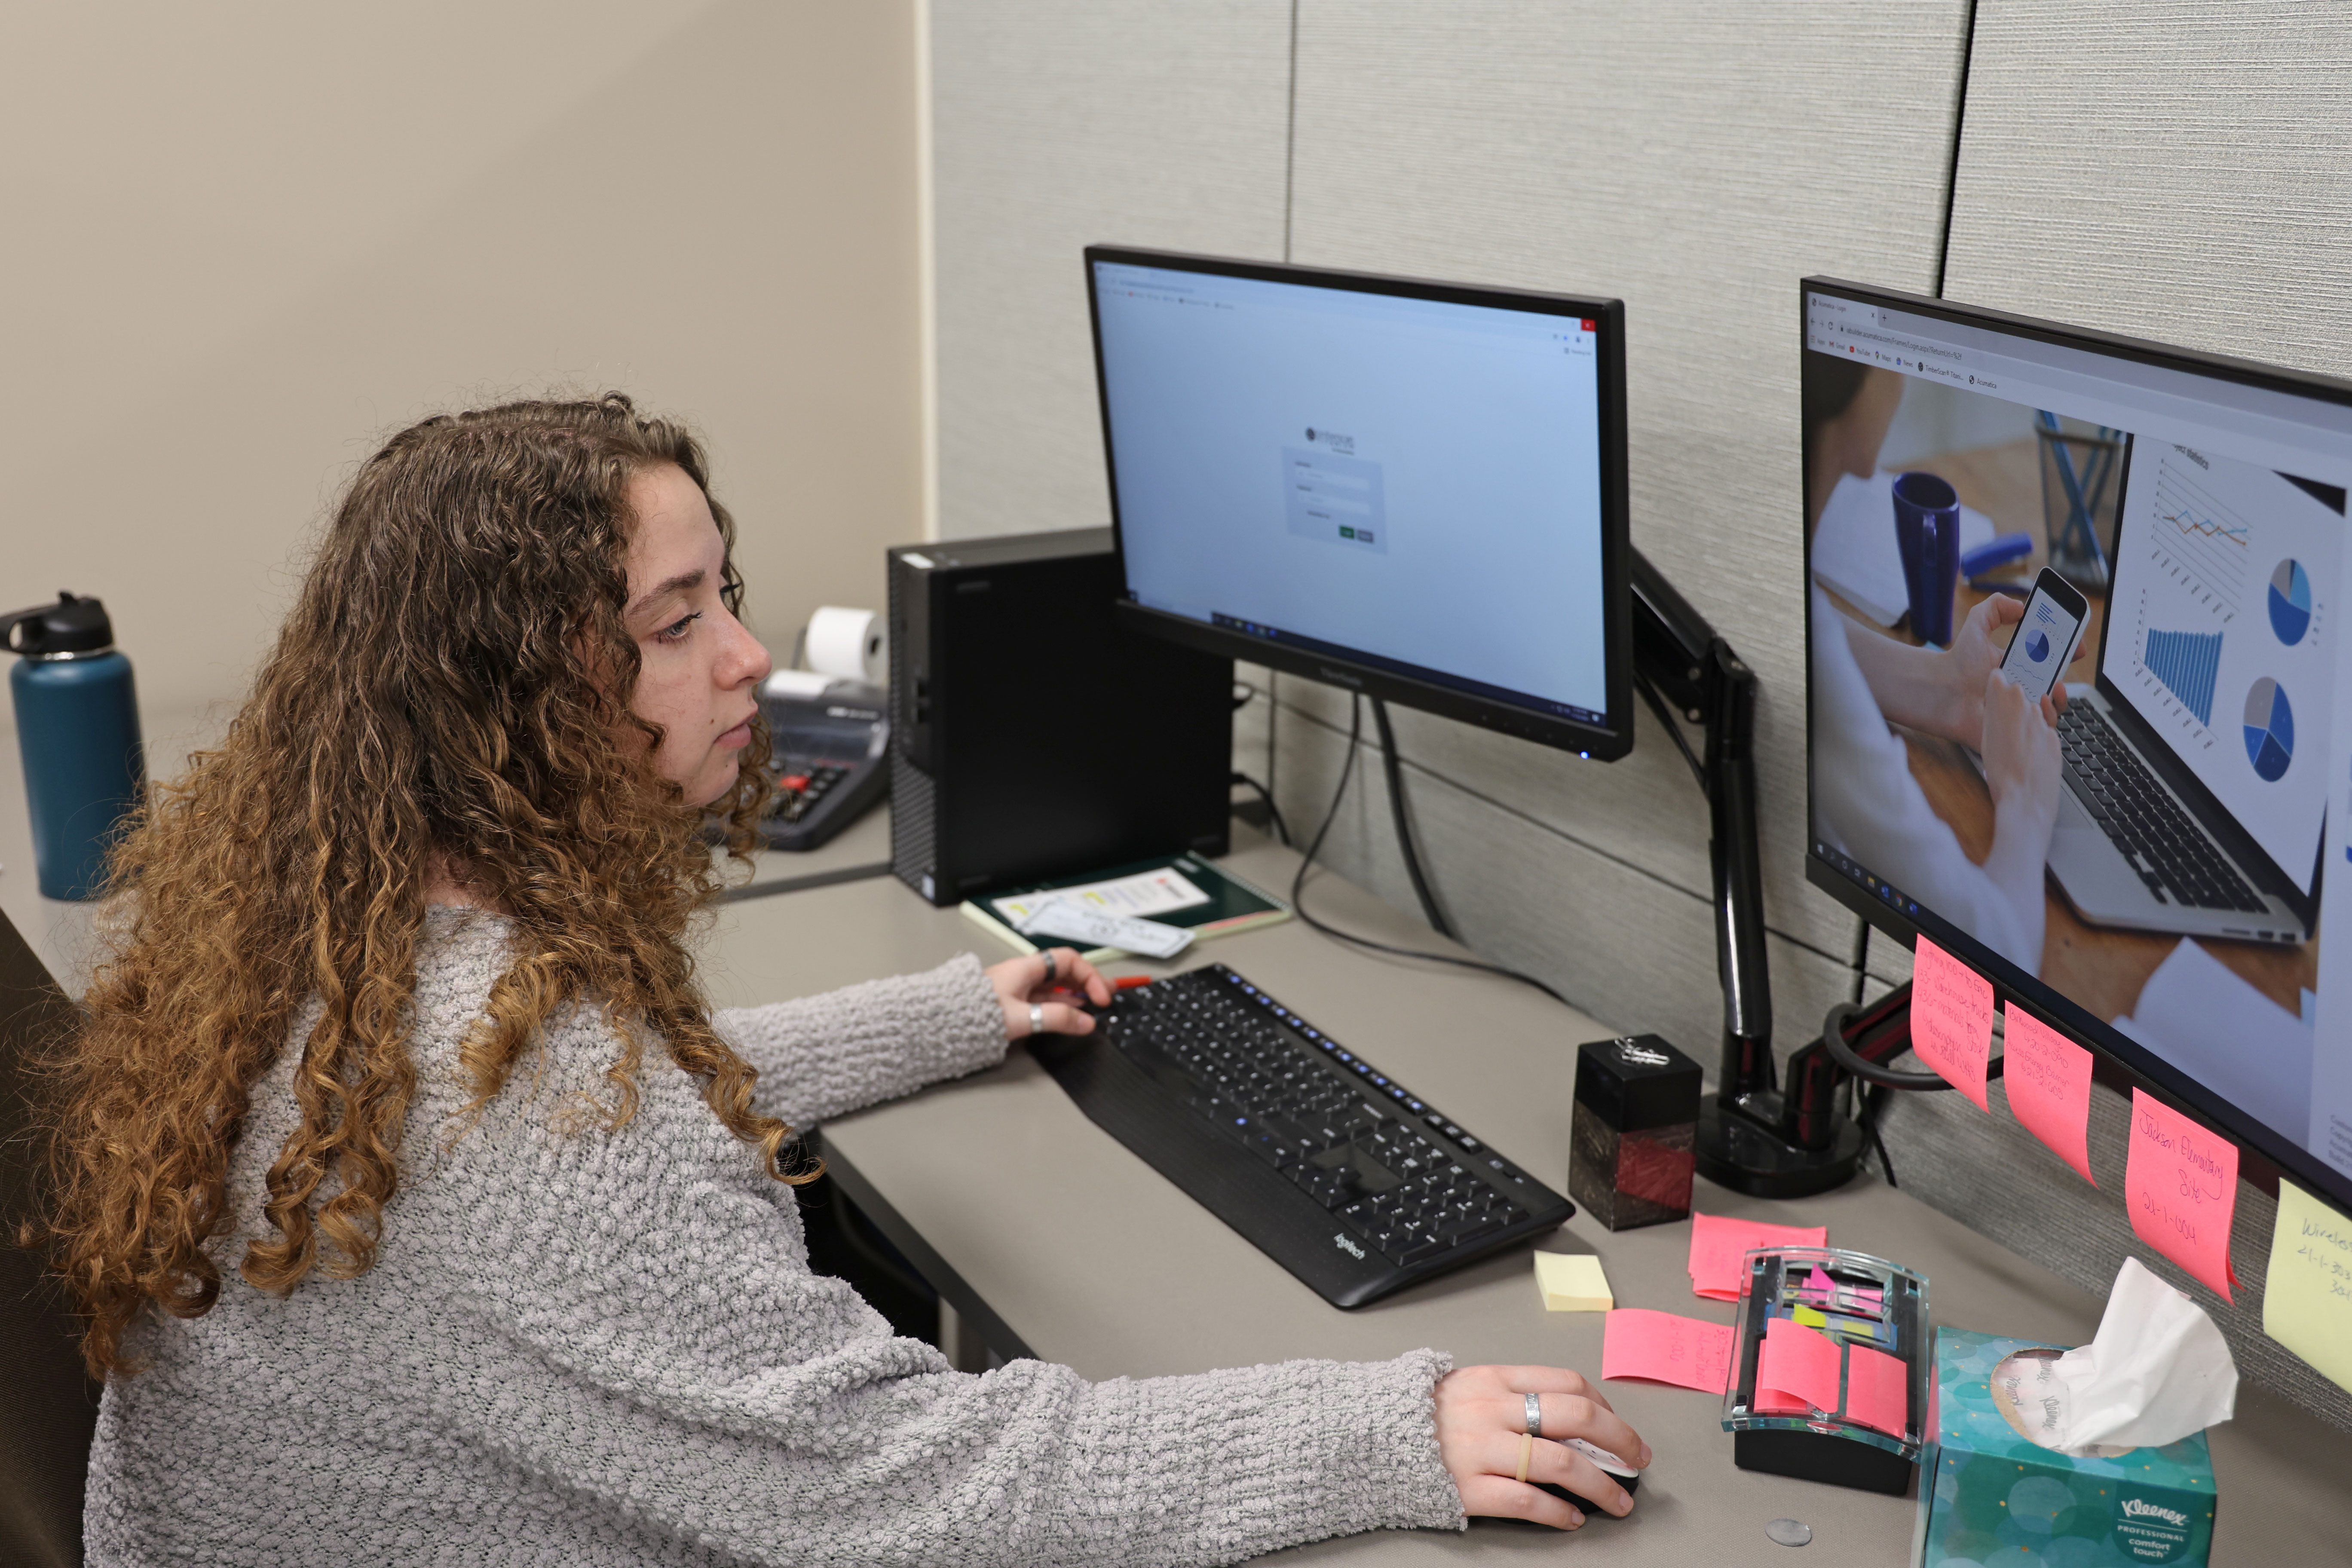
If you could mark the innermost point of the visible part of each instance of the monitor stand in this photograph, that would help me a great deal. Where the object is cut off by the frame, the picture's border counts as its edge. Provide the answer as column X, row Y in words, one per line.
column 1754, row 1136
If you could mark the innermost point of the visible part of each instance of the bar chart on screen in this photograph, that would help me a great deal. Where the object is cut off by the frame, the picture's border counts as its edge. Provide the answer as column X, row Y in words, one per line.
column 2187, row 664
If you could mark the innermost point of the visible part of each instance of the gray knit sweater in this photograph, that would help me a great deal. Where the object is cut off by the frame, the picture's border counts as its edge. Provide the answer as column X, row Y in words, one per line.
column 583, row 1347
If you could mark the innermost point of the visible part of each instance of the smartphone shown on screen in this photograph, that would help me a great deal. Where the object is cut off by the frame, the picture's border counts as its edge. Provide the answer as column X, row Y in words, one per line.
column 2044, row 641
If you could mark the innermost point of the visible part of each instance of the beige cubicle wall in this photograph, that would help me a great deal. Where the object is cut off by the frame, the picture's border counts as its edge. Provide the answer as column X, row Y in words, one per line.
column 244, row 242
column 2118, row 161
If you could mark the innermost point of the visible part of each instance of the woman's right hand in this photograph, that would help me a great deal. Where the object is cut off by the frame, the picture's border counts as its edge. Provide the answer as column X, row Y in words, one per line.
column 2021, row 762
column 1481, row 1414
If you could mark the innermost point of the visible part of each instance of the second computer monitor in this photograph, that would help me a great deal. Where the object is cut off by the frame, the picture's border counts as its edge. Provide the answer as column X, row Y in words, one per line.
column 1411, row 490
column 1998, row 507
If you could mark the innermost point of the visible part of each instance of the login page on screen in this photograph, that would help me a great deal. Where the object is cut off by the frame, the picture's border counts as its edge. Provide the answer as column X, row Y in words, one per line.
column 1408, row 479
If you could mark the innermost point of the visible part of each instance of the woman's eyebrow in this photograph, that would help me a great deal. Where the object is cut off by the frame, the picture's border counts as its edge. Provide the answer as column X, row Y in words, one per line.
column 683, row 582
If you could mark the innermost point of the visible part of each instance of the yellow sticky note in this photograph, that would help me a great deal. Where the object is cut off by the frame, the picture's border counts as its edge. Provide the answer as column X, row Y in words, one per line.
column 1573, row 1282
column 1808, row 1317
column 2307, row 1300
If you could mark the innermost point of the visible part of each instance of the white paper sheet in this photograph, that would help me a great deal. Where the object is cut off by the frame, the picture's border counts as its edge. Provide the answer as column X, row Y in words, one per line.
column 1138, row 897
column 2201, row 1017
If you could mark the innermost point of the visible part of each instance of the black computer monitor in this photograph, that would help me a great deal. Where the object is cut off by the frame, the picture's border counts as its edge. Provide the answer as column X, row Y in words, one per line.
column 2150, row 873
column 1413, row 491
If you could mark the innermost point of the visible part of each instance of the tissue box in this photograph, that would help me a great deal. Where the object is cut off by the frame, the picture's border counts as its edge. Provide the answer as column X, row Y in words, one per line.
column 1988, row 1493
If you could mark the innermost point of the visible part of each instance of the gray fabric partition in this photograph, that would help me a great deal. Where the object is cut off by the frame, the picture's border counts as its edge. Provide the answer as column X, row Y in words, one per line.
column 1696, row 160
column 1056, row 125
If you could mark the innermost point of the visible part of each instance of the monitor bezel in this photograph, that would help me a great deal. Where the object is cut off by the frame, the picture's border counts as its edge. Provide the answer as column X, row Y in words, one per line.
column 2122, row 1062
column 1605, row 742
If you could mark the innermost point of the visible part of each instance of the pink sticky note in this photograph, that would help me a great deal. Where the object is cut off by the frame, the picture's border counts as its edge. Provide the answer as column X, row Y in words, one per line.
column 1951, row 1019
column 1717, row 1244
column 1798, row 1361
column 1663, row 1348
column 1877, row 1389
column 2180, row 1183
column 2049, row 1079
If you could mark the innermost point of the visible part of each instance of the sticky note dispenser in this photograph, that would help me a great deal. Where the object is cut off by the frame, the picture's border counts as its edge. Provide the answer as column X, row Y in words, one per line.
column 1860, row 1302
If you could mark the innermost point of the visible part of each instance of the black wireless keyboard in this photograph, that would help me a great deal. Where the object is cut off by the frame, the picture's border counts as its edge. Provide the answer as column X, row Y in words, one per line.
column 1344, row 1177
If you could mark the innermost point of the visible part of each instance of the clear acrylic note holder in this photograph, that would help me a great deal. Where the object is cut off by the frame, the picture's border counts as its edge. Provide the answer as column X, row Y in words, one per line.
column 1855, row 1300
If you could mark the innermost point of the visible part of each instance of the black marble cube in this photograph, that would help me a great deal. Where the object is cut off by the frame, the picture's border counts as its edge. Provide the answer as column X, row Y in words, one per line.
column 1633, row 1141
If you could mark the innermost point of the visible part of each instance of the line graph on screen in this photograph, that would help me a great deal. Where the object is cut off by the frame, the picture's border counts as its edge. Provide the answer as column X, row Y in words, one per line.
column 2198, row 541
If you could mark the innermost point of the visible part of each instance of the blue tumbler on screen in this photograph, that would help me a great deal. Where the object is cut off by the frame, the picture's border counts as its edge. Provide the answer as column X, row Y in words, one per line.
column 78, row 726
column 1928, row 528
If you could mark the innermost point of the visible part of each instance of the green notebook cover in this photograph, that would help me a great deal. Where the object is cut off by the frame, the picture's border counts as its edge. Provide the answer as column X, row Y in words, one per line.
column 1229, row 904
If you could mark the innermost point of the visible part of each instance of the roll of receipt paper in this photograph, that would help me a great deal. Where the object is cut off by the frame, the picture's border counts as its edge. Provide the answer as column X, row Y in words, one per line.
column 852, row 645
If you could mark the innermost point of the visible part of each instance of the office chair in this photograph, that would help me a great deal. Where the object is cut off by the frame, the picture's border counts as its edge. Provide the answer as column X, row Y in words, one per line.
column 48, row 1405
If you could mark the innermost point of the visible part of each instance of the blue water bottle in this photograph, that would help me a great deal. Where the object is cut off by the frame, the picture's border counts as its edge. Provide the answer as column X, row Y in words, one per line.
column 78, row 726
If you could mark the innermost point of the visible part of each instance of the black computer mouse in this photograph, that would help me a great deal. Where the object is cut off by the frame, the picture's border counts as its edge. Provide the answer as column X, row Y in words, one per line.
column 1625, row 1476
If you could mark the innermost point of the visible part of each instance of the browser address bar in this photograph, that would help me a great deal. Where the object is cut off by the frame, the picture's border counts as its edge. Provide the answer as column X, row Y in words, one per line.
column 1841, row 329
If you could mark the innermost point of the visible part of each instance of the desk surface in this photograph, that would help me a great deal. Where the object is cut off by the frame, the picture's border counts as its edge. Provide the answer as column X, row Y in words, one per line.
column 1092, row 1259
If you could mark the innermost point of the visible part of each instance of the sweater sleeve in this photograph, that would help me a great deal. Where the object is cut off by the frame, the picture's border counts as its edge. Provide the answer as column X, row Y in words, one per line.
column 822, row 1057
column 666, row 1345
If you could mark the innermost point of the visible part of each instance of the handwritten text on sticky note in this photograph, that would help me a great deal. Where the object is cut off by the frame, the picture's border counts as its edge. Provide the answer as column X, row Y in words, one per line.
column 2180, row 1183
column 2049, row 1082
column 1951, row 1019
column 1717, row 1244
column 2307, row 1306
column 1663, row 1348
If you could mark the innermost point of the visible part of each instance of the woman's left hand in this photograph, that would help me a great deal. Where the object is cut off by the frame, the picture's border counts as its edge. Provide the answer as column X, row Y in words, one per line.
column 1023, row 983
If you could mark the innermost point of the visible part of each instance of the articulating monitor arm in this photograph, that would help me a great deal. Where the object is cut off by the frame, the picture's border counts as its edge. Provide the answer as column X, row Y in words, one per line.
column 1750, row 1137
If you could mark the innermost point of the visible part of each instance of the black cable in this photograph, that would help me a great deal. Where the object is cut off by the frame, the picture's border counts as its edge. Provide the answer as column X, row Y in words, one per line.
column 1273, row 812
column 1673, row 730
column 1394, row 771
column 1298, row 883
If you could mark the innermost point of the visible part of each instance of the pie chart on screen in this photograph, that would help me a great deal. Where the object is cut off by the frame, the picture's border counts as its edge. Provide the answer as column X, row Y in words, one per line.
column 2270, row 729
column 2037, row 645
column 2290, row 600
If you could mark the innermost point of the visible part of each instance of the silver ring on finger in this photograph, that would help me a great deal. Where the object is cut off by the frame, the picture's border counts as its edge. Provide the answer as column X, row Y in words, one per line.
column 1052, row 968
column 1534, row 1415
column 1037, row 1018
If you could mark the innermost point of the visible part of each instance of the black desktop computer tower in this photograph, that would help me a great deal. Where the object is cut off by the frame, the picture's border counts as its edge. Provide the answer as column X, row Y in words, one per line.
column 1032, row 735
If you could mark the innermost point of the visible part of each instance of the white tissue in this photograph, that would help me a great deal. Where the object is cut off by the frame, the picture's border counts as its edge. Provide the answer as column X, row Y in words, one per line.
column 2156, row 1371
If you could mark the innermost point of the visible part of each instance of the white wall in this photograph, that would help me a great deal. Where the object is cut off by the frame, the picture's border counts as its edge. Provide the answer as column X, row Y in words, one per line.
column 246, row 240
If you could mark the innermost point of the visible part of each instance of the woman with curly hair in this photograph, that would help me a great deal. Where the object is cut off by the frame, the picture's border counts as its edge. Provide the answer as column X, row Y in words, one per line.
column 418, row 1207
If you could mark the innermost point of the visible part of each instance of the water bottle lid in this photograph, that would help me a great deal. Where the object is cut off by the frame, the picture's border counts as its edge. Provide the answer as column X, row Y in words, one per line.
column 72, row 624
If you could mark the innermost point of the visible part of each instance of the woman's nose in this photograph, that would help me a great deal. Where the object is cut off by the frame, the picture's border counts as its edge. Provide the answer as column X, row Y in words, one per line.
column 750, row 656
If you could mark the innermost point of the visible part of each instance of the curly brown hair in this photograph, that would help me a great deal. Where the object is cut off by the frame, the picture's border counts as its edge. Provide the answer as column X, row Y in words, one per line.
column 452, row 688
